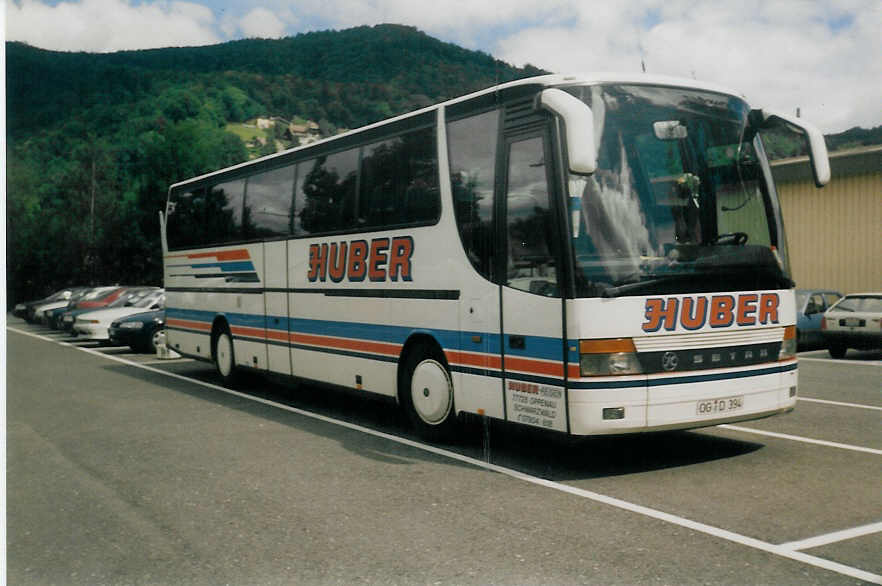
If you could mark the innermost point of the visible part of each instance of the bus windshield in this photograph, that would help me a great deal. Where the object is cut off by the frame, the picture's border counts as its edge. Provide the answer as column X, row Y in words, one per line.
column 680, row 200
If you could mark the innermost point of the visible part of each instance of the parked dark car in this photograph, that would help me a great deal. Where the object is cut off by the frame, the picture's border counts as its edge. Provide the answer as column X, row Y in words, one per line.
column 21, row 309
column 54, row 316
column 25, row 309
column 139, row 332
column 810, row 307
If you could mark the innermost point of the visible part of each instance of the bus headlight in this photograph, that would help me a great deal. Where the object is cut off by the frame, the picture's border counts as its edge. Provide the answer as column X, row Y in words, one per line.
column 788, row 344
column 608, row 357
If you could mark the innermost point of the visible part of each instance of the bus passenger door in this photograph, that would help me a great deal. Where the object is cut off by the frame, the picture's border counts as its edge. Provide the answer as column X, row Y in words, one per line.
column 472, row 147
column 275, row 258
column 532, row 305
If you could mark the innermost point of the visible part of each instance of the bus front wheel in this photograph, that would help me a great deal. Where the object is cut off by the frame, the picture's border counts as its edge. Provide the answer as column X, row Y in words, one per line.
column 224, row 357
column 427, row 395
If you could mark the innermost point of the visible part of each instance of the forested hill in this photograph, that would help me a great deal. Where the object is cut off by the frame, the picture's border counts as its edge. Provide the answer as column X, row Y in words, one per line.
column 350, row 77
column 94, row 140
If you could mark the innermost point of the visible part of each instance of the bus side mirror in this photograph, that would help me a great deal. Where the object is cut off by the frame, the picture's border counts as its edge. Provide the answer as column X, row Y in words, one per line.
column 817, row 147
column 578, row 122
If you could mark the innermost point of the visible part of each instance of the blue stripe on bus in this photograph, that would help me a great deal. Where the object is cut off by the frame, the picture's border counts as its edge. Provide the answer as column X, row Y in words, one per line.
column 226, row 267
column 451, row 340
column 536, row 347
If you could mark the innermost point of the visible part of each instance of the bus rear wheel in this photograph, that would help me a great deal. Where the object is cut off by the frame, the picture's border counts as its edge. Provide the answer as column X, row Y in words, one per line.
column 224, row 356
column 427, row 395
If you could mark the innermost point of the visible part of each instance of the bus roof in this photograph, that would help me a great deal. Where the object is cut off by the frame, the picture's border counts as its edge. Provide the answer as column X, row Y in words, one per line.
column 551, row 80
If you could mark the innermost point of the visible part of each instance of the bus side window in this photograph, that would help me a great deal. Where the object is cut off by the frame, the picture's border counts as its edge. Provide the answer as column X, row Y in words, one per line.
column 472, row 151
column 295, row 222
column 399, row 181
column 328, row 193
column 267, row 204
column 224, row 213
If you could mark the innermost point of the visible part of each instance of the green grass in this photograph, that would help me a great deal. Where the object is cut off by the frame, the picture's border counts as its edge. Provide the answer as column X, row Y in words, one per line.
column 246, row 133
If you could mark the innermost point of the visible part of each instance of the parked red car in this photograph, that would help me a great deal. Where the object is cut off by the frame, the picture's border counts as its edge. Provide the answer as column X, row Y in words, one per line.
column 100, row 297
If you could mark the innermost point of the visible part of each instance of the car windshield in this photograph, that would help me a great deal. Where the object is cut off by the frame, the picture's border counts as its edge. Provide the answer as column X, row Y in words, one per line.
column 58, row 295
column 866, row 303
column 98, row 292
column 78, row 295
column 154, row 298
column 679, row 201
column 129, row 297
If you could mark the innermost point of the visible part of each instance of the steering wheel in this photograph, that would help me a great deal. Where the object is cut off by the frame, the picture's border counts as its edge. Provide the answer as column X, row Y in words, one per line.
column 736, row 238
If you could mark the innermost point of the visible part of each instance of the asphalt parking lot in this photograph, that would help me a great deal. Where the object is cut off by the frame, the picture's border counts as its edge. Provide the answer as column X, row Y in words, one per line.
column 126, row 469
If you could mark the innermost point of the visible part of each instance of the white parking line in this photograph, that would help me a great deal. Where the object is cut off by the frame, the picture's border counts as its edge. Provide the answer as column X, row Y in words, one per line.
column 168, row 361
column 834, row 537
column 841, row 404
column 744, row 540
column 799, row 438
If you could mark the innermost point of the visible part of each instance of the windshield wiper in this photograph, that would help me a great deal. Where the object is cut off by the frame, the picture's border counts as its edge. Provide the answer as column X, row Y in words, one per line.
column 637, row 286
column 731, row 278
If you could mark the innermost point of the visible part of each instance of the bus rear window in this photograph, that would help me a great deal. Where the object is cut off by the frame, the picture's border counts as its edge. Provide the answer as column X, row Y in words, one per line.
column 187, row 219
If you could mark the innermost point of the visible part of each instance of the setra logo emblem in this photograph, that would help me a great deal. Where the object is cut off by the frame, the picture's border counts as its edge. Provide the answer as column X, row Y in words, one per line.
column 670, row 361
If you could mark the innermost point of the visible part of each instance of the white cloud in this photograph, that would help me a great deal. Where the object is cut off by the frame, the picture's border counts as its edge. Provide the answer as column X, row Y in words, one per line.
column 262, row 23
column 109, row 25
column 820, row 57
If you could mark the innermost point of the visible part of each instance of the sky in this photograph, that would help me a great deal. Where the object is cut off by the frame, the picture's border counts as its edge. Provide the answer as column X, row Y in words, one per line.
column 821, row 56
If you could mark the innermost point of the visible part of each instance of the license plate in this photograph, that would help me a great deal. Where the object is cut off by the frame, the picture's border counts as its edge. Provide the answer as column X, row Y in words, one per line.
column 724, row 405
column 852, row 322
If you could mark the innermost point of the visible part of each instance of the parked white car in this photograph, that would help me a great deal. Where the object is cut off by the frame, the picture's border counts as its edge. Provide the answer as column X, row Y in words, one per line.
column 94, row 325
column 855, row 321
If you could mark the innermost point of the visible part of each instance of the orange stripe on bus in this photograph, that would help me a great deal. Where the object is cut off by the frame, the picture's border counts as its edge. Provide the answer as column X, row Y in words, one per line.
column 534, row 366
column 193, row 325
column 238, row 254
column 469, row 359
column 252, row 332
column 277, row 335
column 358, row 345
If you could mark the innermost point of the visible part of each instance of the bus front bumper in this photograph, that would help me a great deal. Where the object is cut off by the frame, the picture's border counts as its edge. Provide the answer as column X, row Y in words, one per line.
column 681, row 401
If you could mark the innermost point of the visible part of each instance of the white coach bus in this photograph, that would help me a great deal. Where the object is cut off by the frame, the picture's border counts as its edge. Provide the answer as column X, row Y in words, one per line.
column 592, row 255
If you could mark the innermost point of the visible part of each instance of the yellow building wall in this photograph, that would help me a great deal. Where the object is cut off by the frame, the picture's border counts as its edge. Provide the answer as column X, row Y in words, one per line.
column 835, row 233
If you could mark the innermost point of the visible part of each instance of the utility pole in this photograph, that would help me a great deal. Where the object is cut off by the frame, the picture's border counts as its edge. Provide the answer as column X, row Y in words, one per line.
column 90, row 255
column 92, row 206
